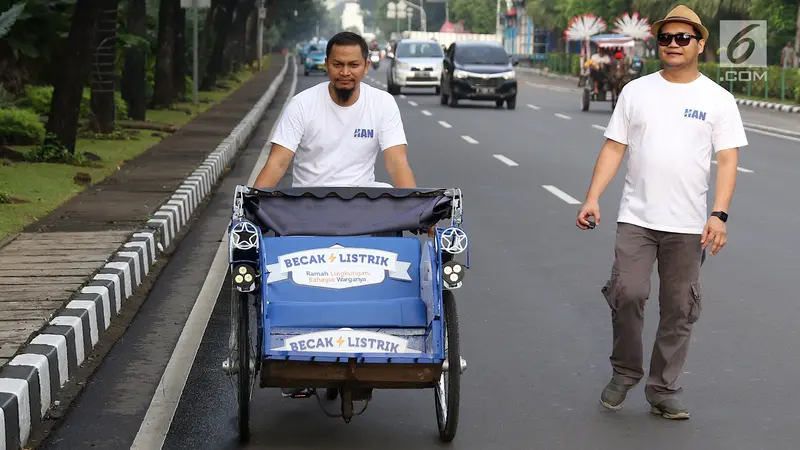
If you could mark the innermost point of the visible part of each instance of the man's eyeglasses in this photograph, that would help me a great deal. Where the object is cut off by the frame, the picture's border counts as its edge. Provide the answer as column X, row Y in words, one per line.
column 682, row 39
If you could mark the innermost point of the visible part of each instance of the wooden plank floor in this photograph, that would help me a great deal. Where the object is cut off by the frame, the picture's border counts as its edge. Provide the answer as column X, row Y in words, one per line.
column 39, row 272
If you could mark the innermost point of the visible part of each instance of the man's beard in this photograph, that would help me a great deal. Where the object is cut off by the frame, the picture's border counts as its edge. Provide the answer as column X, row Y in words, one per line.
column 343, row 94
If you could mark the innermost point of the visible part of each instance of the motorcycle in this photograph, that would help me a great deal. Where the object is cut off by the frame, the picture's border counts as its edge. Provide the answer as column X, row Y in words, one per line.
column 375, row 60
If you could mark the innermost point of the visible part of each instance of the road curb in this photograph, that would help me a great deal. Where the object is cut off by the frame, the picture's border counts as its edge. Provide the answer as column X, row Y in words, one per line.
column 30, row 380
column 740, row 101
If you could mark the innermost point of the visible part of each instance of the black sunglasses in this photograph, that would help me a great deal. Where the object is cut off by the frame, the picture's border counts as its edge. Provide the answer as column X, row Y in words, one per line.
column 682, row 39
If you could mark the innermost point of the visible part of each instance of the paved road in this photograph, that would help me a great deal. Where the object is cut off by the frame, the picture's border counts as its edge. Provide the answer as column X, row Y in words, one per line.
column 534, row 327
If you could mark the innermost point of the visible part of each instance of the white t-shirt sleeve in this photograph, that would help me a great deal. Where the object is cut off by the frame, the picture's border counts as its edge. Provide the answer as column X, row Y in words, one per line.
column 390, row 130
column 291, row 125
column 617, row 129
column 728, row 128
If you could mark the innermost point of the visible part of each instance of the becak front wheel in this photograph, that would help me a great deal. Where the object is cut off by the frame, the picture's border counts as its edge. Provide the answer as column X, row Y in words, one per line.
column 448, row 390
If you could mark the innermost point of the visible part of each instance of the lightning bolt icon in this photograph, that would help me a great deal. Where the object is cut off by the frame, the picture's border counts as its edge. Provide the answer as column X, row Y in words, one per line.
column 340, row 341
column 332, row 257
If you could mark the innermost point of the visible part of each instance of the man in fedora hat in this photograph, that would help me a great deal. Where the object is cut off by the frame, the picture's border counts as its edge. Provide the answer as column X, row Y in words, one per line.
column 671, row 123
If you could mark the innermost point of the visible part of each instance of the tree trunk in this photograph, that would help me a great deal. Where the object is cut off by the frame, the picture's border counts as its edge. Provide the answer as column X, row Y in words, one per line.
column 104, row 69
column 206, row 35
column 797, row 39
column 179, row 59
column 239, row 38
column 164, row 90
column 134, row 85
column 252, row 37
column 217, row 61
column 68, row 88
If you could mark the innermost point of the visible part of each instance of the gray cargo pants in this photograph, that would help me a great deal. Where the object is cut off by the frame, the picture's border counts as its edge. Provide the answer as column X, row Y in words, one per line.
column 679, row 298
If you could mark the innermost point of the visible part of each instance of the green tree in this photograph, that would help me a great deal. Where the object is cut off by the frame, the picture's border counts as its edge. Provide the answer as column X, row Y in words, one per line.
column 479, row 16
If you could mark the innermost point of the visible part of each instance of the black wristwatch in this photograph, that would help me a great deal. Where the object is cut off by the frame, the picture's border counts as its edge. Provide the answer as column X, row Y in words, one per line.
column 723, row 216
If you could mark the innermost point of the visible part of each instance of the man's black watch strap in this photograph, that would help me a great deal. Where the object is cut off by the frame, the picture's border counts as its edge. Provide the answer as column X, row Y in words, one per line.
column 723, row 216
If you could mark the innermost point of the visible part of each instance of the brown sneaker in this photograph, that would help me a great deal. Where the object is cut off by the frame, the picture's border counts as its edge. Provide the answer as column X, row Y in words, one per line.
column 613, row 395
column 671, row 408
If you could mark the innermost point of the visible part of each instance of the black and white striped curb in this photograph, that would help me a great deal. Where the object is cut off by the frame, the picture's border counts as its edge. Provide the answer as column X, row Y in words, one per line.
column 29, row 382
column 768, row 105
column 741, row 101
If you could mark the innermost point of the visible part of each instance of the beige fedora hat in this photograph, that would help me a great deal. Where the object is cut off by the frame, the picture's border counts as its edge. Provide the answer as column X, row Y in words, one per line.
column 683, row 14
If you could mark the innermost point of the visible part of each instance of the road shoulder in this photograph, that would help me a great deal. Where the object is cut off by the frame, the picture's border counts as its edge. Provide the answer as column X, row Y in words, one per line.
column 118, row 235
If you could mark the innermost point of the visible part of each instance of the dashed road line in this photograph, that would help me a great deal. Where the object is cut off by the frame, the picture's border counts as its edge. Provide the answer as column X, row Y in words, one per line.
column 469, row 139
column 561, row 194
column 562, row 116
column 507, row 161
column 739, row 168
column 534, row 107
column 426, row 112
column 599, row 127
column 412, row 103
column 402, row 96
column 445, row 124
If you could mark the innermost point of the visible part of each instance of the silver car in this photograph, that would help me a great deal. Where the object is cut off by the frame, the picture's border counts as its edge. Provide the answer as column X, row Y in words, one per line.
column 415, row 64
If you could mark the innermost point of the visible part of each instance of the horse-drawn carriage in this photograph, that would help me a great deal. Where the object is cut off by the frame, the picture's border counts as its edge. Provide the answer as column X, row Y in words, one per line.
column 328, row 295
column 609, row 78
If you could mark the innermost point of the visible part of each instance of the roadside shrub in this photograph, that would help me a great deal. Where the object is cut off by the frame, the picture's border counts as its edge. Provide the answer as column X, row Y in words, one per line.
column 51, row 151
column 39, row 98
column 20, row 127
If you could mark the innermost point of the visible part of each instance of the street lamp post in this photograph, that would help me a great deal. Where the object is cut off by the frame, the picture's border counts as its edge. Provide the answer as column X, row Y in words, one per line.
column 396, row 11
column 195, row 5
column 262, row 14
column 403, row 9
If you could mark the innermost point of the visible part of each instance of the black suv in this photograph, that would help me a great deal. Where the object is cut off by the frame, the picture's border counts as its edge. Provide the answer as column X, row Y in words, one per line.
column 478, row 71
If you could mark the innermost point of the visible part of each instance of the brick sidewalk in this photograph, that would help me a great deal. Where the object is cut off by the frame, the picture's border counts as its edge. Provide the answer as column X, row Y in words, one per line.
column 64, row 279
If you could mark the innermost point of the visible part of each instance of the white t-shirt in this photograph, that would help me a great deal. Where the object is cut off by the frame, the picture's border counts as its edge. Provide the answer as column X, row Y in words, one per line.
column 670, row 130
column 334, row 145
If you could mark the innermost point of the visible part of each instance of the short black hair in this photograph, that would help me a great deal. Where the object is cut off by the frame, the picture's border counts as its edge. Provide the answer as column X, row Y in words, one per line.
column 347, row 38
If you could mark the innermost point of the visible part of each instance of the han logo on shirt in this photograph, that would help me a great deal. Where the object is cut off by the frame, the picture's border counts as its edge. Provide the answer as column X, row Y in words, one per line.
column 364, row 133
column 694, row 114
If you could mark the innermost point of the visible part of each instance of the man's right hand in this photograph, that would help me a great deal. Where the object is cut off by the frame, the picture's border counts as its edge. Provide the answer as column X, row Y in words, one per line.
column 589, row 209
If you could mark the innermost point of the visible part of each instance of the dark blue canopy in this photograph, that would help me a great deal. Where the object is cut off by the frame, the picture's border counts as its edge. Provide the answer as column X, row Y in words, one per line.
column 345, row 211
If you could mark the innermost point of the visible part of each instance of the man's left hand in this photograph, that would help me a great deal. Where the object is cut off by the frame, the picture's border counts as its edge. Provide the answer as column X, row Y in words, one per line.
column 716, row 232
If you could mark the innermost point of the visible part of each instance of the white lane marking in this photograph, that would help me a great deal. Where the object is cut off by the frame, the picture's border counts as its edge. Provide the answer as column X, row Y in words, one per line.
column 767, row 133
column 739, row 168
column 533, row 107
column 551, row 87
column 768, row 128
column 412, row 103
column 445, row 124
column 562, row 116
column 426, row 112
column 403, row 96
column 507, row 161
column 561, row 194
column 157, row 420
column 469, row 139
column 599, row 127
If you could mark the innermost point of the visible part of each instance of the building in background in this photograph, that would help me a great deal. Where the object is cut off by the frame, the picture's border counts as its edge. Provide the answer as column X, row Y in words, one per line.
column 353, row 17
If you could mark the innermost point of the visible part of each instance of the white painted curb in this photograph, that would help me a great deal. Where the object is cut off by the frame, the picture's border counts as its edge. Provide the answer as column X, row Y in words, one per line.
column 29, row 382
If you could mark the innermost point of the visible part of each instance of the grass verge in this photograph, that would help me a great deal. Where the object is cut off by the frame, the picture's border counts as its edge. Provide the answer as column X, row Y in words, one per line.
column 30, row 191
